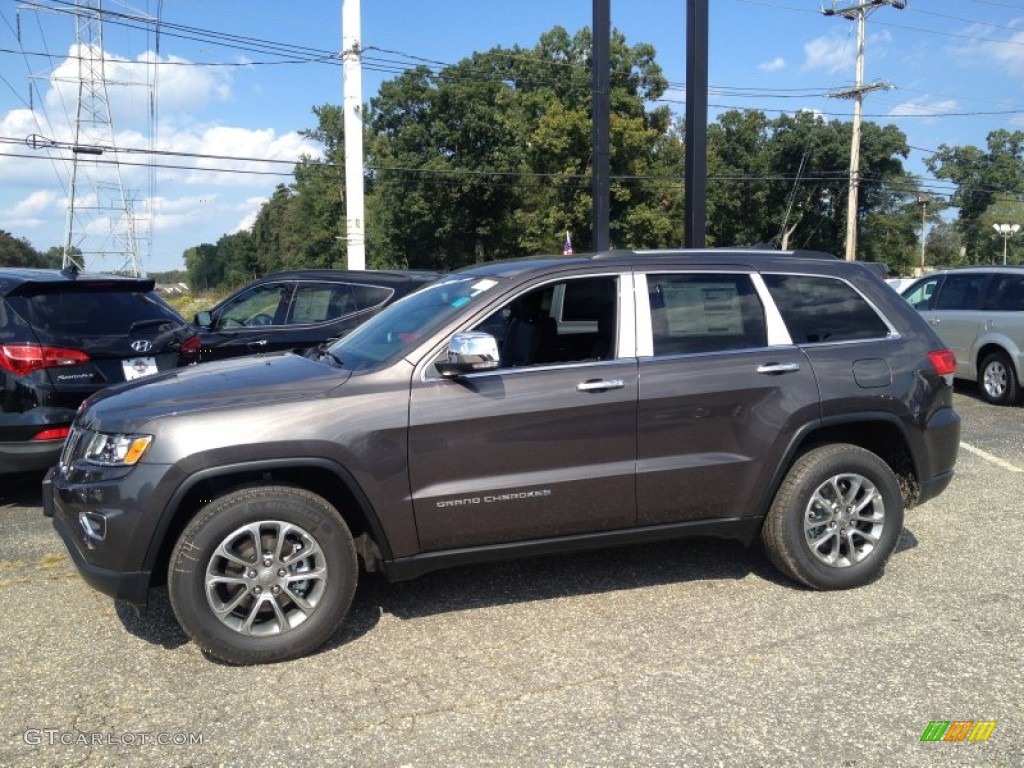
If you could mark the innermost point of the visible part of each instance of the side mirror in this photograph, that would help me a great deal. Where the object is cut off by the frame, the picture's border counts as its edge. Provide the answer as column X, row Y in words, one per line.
column 470, row 352
column 203, row 320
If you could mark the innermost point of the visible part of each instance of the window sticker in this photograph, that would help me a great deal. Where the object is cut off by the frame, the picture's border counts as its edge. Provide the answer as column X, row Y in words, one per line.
column 703, row 309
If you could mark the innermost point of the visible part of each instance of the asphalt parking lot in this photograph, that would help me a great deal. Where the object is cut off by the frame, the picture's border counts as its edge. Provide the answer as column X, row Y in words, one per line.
column 694, row 653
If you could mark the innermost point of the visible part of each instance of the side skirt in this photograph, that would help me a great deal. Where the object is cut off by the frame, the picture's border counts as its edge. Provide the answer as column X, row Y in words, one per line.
column 743, row 529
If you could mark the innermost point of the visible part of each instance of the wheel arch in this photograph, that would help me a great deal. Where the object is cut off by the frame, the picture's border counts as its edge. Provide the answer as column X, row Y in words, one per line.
column 1006, row 347
column 883, row 434
column 321, row 476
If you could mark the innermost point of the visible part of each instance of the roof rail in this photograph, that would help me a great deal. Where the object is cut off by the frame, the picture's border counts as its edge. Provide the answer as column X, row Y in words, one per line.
column 738, row 251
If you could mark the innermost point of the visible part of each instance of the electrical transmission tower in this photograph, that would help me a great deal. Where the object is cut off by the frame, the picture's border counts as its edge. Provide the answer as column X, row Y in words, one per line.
column 100, row 221
column 858, row 12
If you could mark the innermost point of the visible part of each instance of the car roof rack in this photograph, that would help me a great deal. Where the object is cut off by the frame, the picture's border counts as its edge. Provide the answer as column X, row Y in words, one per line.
column 738, row 251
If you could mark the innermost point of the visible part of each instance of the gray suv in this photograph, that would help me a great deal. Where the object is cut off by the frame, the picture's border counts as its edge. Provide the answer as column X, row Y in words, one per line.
column 530, row 407
column 979, row 313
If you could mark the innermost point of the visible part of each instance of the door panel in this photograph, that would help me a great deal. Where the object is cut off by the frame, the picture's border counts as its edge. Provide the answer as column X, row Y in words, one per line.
column 523, row 454
column 712, row 430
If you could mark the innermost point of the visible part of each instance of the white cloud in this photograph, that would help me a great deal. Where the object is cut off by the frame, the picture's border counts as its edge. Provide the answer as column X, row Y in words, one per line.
column 1008, row 54
column 831, row 53
column 227, row 141
column 772, row 66
column 33, row 211
column 838, row 53
column 922, row 108
column 179, row 87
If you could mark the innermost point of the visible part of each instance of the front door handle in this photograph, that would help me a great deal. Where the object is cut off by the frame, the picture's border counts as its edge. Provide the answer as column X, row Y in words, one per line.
column 257, row 343
column 600, row 385
column 773, row 369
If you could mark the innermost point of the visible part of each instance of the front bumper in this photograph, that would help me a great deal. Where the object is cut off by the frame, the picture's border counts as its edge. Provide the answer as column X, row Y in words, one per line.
column 130, row 586
column 116, row 562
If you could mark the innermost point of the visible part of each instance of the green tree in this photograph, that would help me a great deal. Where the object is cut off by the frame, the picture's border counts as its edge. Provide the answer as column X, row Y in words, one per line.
column 18, row 252
column 490, row 158
column 983, row 178
column 784, row 181
column 205, row 270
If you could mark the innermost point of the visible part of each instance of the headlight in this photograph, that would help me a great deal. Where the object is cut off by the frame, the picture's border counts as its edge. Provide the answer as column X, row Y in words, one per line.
column 117, row 450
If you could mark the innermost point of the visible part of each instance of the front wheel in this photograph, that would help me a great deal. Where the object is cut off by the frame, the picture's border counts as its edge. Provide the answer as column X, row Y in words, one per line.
column 263, row 574
column 998, row 379
column 835, row 519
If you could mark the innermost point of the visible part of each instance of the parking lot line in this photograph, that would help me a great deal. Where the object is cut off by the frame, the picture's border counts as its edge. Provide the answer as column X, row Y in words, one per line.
column 990, row 458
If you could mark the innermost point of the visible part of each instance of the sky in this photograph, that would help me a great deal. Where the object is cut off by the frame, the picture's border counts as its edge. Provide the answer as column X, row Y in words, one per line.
column 239, row 79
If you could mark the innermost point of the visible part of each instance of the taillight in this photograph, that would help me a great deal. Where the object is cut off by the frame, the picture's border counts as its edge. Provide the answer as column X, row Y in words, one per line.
column 60, row 433
column 22, row 359
column 190, row 347
column 944, row 361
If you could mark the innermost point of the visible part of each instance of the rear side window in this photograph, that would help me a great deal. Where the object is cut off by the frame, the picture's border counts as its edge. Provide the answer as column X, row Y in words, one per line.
column 368, row 296
column 961, row 292
column 83, row 313
column 1006, row 294
column 320, row 302
column 819, row 310
column 704, row 313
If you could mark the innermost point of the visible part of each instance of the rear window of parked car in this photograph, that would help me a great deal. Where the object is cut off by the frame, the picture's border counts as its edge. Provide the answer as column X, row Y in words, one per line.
column 824, row 310
column 91, row 312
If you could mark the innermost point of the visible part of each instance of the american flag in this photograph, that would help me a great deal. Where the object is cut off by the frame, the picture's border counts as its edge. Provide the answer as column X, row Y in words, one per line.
column 567, row 245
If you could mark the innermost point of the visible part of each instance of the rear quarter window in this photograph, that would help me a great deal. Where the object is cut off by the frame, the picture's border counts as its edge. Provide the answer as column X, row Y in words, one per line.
column 822, row 310
column 1006, row 294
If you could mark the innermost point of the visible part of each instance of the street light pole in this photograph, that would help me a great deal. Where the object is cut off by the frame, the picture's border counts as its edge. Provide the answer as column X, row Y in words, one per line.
column 1006, row 231
column 923, row 200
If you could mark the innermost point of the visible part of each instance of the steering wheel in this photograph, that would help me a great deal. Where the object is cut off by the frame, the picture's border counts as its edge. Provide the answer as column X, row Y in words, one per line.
column 261, row 319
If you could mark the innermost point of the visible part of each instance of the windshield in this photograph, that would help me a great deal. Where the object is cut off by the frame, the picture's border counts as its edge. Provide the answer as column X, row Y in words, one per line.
column 400, row 327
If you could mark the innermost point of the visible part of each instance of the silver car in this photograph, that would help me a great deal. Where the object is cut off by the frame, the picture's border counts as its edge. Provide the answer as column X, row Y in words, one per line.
column 979, row 313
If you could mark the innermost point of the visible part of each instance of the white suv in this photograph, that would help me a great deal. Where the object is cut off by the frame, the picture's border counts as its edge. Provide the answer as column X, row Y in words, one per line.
column 979, row 313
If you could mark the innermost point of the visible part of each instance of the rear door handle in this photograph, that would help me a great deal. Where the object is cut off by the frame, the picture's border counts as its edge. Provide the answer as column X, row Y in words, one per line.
column 257, row 343
column 773, row 369
column 600, row 385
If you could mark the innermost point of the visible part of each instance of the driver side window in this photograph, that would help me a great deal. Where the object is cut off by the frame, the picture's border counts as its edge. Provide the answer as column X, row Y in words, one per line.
column 263, row 305
column 564, row 322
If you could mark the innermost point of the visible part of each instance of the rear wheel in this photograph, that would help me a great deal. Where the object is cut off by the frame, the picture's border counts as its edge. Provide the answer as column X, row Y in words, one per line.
column 835, row 519
column 263, row 574
column 998, row 380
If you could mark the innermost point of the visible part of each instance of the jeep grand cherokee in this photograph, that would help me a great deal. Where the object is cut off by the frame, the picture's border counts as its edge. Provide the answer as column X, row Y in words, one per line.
column 518, row 408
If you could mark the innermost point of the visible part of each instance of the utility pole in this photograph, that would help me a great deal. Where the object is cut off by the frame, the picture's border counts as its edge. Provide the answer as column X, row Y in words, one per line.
column 923, row 201
column 857, row 12
column 352, row 85
column 600, row 124
column 696, row 152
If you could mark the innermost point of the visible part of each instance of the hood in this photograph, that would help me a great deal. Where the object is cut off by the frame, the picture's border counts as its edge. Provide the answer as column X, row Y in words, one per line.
column 236, row 383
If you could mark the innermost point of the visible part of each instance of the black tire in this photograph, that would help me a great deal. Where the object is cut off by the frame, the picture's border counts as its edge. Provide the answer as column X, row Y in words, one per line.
column 807, row 526
column 997, row 380
column 288, row 615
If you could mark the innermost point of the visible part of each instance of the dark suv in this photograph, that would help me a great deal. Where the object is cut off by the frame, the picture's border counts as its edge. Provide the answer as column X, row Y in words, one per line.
column 65, row 335
column 518, row 408
column 300, row 309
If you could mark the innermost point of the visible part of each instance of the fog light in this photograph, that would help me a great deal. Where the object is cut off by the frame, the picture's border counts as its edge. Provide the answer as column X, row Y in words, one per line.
column 95, row 526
